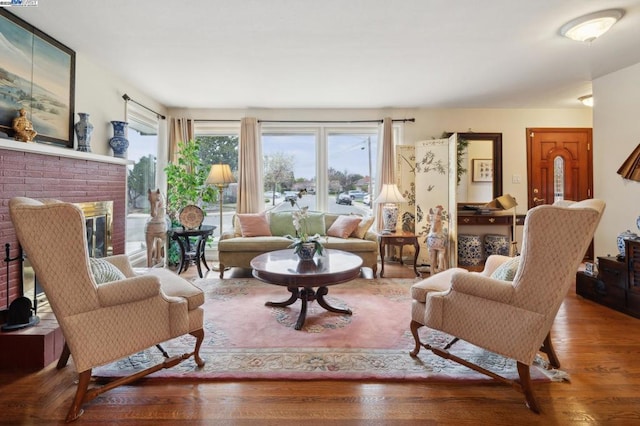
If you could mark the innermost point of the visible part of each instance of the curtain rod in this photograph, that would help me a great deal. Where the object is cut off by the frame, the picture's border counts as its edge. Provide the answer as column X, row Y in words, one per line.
column 403, row 120
column 128, row 99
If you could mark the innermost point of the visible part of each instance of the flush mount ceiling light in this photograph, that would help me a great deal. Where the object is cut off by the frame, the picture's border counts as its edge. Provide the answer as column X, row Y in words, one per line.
column 586, row 100
column 590, row 27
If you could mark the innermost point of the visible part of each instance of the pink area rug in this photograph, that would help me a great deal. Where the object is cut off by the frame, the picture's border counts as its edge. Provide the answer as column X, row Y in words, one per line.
column 244, row 339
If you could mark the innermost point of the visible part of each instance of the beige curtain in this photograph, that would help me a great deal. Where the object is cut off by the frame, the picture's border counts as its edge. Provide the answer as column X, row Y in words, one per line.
column 180, row 130
column 386, row 171
column 250, row 185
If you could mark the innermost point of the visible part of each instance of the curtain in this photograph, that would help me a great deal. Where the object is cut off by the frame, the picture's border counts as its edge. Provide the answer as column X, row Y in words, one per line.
column 250, row 185
column 386, row 171
column 180, row 130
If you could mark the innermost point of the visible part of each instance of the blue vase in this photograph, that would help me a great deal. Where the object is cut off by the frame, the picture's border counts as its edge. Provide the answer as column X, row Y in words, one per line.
column 84, row 130
column 307, row 251
column 119, row 142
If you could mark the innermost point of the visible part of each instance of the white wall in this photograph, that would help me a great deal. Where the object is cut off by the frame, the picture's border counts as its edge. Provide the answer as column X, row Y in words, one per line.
column 99, row 93
column 616, row 133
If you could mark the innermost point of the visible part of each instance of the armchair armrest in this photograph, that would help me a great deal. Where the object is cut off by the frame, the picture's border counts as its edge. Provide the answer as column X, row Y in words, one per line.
column 484, row 287
column 128, row 290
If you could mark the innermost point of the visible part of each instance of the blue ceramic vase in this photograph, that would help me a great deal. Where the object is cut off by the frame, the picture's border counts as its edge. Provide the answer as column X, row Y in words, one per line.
column 119, row 142
column 84, row 130
column 307, row 251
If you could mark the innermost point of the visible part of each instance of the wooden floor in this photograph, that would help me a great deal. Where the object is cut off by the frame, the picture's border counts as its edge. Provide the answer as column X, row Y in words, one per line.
column 597, row 346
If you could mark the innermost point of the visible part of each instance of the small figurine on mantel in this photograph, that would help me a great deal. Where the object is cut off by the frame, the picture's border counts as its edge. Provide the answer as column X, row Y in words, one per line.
column 23, row 127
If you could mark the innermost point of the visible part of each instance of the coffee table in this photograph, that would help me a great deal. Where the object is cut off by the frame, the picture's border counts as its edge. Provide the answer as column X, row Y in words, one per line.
column 283, row 267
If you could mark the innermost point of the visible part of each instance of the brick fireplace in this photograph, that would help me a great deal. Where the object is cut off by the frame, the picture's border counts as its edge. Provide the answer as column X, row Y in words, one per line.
column 42, row 171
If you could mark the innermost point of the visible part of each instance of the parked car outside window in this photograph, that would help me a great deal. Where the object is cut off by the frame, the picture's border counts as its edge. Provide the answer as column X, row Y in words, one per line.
column 356, row 194
column 344, row 198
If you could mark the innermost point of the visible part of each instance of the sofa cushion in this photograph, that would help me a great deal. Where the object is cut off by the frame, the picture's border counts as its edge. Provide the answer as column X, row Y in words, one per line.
column 315, row 223
column 343, row 226
column 363, row 227
column 254, row 224
column 281, row 223
column 254, row 244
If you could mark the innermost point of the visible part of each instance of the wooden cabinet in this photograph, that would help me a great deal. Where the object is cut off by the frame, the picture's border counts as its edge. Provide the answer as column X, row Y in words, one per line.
column 618, row 282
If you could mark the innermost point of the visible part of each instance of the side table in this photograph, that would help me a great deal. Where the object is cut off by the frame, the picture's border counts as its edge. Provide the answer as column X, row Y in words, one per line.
column 192, row 252
column 399, row 239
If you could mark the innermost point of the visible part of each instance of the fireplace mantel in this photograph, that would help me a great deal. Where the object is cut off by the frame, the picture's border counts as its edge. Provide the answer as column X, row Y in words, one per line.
column 45, row 149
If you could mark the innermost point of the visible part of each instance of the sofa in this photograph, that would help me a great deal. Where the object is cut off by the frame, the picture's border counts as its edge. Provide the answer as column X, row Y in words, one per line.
column 259, row 233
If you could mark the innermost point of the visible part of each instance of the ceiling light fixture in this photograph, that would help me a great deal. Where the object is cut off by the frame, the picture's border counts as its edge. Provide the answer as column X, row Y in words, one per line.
column 590, row 27
column 586, row 100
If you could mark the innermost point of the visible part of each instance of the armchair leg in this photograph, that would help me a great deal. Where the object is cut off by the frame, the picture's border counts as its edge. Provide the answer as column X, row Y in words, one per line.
column 75, row 410
column 199, row 335
column 547, row 348
column 525, row 384
column 64, row 357
column 415, row 325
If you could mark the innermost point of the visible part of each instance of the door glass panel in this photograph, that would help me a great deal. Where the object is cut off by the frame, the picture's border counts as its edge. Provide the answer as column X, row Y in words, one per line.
column 558, row 179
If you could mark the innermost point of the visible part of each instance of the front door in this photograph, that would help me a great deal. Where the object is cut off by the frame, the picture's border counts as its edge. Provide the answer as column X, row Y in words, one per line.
column 559, row 166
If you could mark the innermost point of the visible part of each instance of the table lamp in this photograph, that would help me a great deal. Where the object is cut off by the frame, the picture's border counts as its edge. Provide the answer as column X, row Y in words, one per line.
column 390, row 196
column 220, row 176
column 507, row 202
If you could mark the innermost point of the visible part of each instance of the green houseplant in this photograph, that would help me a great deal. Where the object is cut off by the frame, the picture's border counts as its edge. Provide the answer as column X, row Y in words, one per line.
column 304, row 245
column 186, row 185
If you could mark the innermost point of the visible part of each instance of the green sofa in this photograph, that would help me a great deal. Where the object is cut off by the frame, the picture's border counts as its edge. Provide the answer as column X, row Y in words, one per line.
column 236, row 250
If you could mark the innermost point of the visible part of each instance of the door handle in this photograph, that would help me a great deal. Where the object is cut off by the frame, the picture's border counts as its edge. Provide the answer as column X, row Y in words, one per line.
column 538, row 201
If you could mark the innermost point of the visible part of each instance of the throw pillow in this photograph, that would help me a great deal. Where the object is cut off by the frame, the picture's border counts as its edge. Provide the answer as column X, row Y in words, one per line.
column 254, row 225
column 105, row 272
column 343, row 226
column 363, row 227
column 281, row 223
column 507, row 271
column 315, row 223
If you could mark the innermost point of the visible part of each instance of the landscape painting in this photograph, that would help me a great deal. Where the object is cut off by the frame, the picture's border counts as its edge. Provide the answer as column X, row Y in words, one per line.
column 37, row 73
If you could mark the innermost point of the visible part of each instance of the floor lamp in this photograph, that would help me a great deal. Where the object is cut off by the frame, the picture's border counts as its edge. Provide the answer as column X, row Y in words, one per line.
column 220, row 176
column 507, row 202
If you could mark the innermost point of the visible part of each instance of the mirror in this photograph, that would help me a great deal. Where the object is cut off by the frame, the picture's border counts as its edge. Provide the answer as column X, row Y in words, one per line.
column 482, row 181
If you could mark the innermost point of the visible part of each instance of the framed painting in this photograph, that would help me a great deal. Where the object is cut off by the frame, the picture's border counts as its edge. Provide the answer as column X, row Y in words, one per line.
column 37, row 73
column 482, row 170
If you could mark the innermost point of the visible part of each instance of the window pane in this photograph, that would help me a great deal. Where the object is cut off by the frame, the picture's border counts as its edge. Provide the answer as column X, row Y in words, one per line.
column 289, row 166
column 143, row 151
column 221, row 149
column 352, row 160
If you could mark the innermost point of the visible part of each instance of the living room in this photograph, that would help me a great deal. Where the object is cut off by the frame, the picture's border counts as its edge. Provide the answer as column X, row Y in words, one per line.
column 99, row 90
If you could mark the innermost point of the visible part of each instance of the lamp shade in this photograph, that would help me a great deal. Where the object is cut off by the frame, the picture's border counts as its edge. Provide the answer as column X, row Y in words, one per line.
column 390, row 194
column 220, row 175
column 506, row 201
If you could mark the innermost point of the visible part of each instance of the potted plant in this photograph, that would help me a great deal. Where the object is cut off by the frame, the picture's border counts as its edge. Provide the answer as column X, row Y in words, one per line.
column 304, row 245
column 186, row 186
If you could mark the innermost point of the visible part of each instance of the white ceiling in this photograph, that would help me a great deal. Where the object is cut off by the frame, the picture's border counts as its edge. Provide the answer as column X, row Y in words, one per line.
column 344, row 53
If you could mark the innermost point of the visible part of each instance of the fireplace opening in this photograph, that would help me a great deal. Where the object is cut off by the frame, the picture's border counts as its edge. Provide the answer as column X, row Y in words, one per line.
column 99, row 220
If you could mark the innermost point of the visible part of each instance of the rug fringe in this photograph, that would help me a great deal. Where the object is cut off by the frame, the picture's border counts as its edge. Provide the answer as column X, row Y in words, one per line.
column 552, row 374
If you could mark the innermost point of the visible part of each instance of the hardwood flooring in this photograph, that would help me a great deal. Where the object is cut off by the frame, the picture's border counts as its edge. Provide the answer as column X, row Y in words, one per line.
column 597, row 346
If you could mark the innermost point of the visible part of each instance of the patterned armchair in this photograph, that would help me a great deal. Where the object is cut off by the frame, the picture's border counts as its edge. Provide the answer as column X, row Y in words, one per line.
column 511, row 318
column 102, row 323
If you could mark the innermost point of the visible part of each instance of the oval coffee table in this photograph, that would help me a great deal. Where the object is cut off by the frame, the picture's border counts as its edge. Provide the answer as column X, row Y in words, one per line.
column 283, row 267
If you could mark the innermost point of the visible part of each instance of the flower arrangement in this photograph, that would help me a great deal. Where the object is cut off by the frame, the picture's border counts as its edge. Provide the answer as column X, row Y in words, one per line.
column 304, row 245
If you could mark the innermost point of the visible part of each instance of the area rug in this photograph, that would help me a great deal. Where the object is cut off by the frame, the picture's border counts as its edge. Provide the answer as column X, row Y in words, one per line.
column 244, row 339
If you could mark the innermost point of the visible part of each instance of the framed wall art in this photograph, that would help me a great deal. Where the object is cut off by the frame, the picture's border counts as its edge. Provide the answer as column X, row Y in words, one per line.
column 482, row 170
column 37, row 73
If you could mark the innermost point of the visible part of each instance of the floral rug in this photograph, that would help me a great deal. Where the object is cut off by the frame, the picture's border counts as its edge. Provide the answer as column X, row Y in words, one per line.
column 244, row 339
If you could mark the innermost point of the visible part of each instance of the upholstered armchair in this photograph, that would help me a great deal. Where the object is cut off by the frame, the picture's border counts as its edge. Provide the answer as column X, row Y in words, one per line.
column 511, row 318
column 103, row 322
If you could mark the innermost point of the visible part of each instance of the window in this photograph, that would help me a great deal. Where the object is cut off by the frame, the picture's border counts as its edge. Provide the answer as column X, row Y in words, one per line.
column 337, row 167
column 219, row 145
column 141, row 175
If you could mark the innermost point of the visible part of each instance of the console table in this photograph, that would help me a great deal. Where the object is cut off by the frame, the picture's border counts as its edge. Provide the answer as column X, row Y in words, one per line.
column 617, row 284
